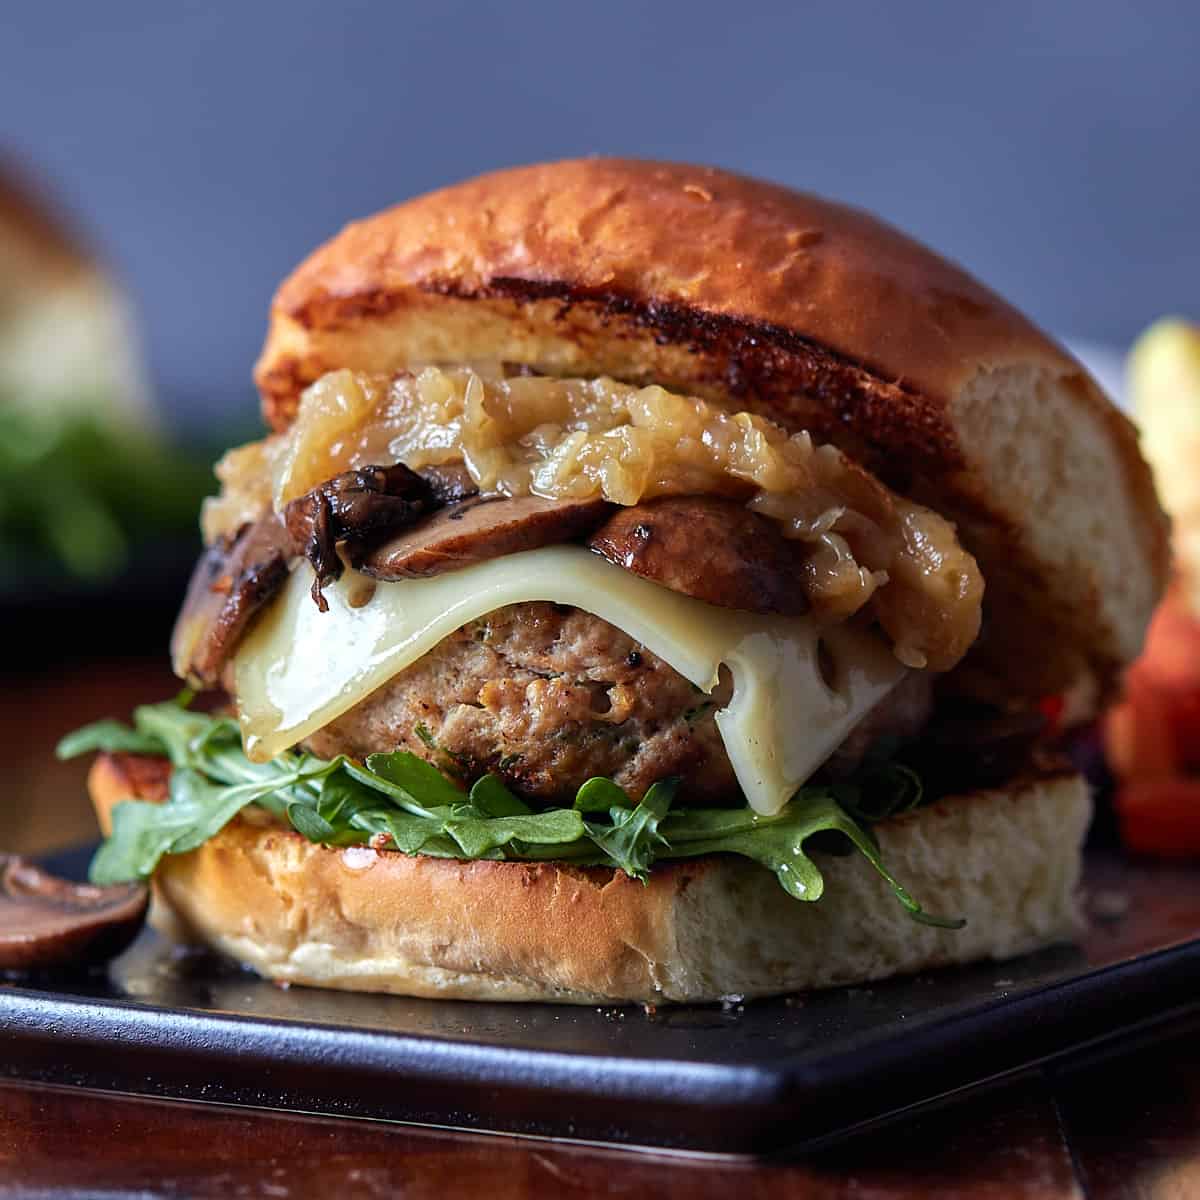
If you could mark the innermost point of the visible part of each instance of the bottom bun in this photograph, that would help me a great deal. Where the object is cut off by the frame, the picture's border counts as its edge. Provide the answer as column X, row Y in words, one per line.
column 704, row 929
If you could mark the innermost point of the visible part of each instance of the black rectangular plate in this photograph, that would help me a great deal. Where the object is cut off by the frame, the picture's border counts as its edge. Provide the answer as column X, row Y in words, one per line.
column 741, row 1079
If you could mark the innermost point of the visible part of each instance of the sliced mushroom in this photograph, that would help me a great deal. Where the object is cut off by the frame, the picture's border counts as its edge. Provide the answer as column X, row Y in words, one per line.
column 353, row 509
column 477, row 530
column 450, row 483
column 715, row 550
column 231, row 582
column 50, row 922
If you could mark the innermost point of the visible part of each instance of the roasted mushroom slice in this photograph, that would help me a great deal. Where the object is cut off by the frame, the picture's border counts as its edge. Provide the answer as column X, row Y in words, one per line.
column 713, row 549
column 352, row 509
column 50, row 922
column 477, row 530
column 230, row 583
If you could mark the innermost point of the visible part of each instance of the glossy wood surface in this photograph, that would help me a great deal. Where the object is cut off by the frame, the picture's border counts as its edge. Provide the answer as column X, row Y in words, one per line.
column 53, row 1140
column 1122, row 1127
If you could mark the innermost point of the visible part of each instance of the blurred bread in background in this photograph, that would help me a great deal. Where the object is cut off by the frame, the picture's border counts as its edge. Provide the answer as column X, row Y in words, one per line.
column 66, row 328
column 90, row 484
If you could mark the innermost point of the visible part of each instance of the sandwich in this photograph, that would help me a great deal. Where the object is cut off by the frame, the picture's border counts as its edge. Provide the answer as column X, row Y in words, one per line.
column 649, row 590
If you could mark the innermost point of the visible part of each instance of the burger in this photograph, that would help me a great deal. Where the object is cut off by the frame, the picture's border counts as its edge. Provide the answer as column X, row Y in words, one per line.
column 649, row 589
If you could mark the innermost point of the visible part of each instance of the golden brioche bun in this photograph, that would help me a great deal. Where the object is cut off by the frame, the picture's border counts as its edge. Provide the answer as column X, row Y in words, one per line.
column 814, row 314
column 1008, row 860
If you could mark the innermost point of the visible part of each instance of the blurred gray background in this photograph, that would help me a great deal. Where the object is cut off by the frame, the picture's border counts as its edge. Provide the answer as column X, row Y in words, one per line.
column 1053, row 148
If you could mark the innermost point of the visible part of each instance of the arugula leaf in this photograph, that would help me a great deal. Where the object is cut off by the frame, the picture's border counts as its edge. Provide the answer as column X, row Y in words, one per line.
column 633, row 840
column 777, row 842
column 407, row 832
column 79, row 492
column 178, row 728
column 477, row 837
column 416, row 809
column 601, row 795
column 342, row 796
column 307, row 820
column 879, row 790
column 195, row 811
column 109, row 736
column 422, row 781
column 211, row 783
column 774, row 842
column 493, row 799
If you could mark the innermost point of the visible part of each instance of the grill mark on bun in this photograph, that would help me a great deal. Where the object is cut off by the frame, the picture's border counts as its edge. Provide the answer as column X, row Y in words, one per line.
column 763, row 361
column 890, row 425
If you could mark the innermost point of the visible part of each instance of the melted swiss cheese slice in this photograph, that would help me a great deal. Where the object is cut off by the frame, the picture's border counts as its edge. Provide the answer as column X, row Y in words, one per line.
column 300, row 668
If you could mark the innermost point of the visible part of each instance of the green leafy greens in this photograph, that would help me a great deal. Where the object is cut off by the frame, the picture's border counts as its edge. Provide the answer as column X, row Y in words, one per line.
column 79, row 491
column 399, row 801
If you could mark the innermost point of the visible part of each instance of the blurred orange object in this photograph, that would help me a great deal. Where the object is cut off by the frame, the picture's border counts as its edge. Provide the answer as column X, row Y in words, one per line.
column 1161, row 816
column 1171, row 656
column 1152, row 738
column 1138, row 741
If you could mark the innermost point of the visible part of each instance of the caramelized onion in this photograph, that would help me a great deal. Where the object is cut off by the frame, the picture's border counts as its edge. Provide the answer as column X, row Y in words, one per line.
column 597, row 438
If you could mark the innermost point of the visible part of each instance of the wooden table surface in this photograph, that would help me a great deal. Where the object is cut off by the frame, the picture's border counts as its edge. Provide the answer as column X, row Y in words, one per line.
column 1123, row 1126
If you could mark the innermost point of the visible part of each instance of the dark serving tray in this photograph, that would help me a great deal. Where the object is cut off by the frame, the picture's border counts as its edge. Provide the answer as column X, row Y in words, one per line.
column 752, row 1078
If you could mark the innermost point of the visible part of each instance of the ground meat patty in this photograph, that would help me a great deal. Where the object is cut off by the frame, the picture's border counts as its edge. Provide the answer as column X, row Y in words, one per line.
column 546, row 696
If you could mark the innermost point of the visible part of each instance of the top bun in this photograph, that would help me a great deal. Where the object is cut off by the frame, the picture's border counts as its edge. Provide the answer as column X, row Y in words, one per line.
column 813, row 314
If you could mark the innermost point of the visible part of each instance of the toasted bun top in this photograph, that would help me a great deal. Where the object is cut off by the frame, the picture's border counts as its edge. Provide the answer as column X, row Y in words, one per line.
column 669, row 237
column 816, row 315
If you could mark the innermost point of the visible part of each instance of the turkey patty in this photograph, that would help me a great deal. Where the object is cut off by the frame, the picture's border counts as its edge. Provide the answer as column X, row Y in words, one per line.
column 546, row 696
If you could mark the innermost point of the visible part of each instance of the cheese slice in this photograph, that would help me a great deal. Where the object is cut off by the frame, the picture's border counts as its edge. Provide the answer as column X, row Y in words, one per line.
column 300, row 668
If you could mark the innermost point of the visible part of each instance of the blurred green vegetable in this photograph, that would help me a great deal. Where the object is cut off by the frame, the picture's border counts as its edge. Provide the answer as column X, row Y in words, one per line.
column 78, row 493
